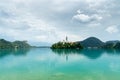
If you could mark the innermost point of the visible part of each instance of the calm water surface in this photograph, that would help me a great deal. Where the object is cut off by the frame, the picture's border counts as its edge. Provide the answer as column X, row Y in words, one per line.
column 47, row 64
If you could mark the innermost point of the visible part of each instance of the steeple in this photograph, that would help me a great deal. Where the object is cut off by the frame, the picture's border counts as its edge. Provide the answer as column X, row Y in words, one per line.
column 66, row 39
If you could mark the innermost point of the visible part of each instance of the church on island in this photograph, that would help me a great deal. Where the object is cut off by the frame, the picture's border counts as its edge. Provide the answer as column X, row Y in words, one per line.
column 65, row 44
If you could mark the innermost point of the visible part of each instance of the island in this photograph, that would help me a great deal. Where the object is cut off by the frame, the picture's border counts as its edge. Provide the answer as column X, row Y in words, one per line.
column 67, row 45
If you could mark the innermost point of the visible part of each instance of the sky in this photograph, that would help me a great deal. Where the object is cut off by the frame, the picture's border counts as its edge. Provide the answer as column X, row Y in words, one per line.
column 44, row 22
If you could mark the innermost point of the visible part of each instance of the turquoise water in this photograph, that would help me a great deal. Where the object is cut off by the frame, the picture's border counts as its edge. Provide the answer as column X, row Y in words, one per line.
column 47, row 64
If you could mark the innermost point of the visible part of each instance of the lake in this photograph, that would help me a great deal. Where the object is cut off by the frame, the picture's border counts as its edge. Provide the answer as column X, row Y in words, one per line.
column 47, row 64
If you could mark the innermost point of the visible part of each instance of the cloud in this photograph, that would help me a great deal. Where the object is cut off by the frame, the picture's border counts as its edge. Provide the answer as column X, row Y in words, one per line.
column 50, row 20
column 84, row 18
column 112, row 29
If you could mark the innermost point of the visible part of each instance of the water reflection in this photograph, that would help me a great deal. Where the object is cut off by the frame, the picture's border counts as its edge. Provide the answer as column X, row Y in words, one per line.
column 90, row 53
column 113, row 51
column 16, row 52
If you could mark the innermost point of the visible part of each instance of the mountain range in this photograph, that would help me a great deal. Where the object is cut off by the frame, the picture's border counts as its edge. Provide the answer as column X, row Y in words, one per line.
column 93, row 42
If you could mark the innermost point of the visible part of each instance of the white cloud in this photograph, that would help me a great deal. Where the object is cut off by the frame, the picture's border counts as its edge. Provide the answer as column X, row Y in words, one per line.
column 86, row 18
column 112, row 29
column 79, row 11
column 31, row 28
column 94, row 3
column 93, row 25
column 82, row 17
column 49, row 20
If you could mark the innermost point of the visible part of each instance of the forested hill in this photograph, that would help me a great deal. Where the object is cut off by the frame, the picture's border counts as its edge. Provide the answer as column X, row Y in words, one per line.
column 4, row 44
